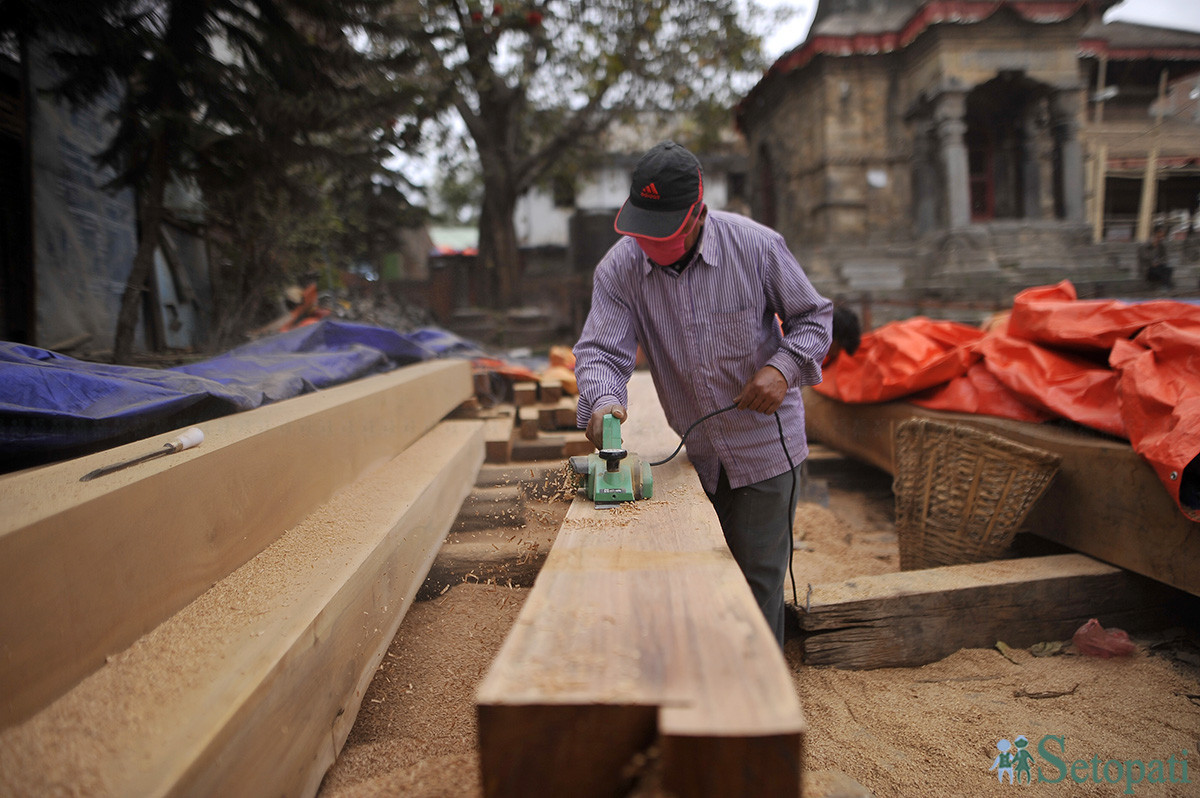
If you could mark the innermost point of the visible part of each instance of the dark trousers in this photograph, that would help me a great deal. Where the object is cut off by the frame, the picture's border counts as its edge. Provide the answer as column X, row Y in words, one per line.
column 755, row 520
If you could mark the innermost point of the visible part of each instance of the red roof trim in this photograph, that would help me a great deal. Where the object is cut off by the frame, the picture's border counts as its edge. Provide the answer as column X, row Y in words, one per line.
column 1099, row 47
column 934, row 13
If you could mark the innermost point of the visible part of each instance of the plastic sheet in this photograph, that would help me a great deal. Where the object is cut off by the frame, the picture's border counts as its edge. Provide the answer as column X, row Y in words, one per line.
column 1159, row 387
column 53, row 406
column 1093, row 640
column 901, row 358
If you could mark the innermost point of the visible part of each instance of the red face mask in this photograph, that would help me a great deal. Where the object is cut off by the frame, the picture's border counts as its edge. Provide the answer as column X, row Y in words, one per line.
column 666, row 251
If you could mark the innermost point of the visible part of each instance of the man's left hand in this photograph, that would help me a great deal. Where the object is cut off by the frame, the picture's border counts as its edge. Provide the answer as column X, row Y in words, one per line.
column 765, row 391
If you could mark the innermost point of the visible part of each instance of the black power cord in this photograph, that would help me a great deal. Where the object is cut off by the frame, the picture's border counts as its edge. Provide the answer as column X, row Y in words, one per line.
column 791, row 498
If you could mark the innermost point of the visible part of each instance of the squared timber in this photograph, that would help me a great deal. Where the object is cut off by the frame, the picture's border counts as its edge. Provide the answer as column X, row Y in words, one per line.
column 643, row 606
column 253, row 688
column 1105, row 501
column 911, row 618
column 88, row 567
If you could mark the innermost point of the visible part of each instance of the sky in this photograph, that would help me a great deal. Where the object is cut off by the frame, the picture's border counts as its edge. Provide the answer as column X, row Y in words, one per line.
column 1181, row 14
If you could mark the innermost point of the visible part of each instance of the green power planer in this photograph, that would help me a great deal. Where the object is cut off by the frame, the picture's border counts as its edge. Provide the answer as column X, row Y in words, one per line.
column 614, row 475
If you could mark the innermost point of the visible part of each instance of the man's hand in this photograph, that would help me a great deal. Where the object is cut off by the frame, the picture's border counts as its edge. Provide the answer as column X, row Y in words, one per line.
column 765, row 391
column 595, row 428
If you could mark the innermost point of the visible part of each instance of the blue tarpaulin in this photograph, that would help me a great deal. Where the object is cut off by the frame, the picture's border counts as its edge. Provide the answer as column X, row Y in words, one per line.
column 53, row 407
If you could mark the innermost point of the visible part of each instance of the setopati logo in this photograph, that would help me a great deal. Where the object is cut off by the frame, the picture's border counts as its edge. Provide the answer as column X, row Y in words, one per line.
column 1017, row 764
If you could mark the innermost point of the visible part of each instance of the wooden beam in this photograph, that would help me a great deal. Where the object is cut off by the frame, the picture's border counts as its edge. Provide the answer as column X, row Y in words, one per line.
column 88, row 567
column 1105, row 501
column 253, row 688
column 641, row 625
column 912, row 618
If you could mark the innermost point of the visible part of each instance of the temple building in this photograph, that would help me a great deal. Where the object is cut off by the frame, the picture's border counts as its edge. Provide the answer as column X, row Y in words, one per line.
column 961, row 149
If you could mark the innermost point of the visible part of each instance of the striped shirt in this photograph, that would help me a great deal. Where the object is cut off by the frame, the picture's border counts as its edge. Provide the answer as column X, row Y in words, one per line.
column 705, row 332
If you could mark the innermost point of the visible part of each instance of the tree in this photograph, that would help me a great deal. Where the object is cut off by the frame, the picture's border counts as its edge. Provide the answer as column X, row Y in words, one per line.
column 535, row 81
column 246, row 89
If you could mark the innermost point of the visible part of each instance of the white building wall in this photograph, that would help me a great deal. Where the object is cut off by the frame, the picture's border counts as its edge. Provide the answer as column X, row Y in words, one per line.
column 540, row 223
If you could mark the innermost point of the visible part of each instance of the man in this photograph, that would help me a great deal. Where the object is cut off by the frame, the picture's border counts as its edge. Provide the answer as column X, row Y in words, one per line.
column 700, row 291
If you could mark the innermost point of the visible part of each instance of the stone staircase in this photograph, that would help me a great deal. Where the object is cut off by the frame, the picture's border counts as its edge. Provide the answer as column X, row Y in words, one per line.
column 969, row 274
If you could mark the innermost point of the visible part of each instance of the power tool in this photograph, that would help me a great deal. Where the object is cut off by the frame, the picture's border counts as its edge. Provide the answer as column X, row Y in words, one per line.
column 613, row 474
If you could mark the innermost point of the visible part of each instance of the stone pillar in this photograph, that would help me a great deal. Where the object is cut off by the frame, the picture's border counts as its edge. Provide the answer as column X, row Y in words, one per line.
column 1031, row 165
column 1064, row 117
column 925, row 184
column 951, row 127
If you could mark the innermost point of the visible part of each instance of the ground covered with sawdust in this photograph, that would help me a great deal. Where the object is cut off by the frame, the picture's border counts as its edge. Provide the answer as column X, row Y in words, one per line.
column 932, row 731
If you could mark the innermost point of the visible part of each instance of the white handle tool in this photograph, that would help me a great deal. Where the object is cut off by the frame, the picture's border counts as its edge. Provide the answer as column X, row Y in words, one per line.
column 188, row 439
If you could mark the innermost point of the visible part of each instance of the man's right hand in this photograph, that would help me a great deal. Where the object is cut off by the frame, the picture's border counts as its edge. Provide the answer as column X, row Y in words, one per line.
column 595, row 427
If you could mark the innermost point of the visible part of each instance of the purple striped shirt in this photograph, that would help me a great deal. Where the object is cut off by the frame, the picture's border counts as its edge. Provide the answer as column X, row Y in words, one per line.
column 705, row 332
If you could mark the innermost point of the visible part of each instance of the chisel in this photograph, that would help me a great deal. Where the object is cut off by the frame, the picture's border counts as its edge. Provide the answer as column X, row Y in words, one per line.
column 188, row 439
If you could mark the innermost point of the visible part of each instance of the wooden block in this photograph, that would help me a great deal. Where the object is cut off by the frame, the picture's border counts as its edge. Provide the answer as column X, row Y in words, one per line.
column 550, row 391
column 1105, row 501
column 253, row 688
column 560, row 415
column 527, row 422
column 545, row 447
column 576, row 443
column 87, row 567
column 640, row 623
column 498, row 439
column 915, row 617
column 525, row 393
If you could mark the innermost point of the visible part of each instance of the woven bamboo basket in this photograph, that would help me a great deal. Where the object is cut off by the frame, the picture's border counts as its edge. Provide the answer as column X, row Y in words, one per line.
column 962, row 493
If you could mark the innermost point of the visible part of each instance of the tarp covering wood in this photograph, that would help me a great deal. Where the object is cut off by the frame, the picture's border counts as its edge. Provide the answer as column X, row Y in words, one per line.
column 1130, row 370
column 53, row 406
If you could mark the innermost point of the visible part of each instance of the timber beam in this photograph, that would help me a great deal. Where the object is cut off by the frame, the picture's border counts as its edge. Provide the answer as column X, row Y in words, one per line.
column 912, row 618
column 86, row 568
column 1105, row 500
column 253, row 687
column 640, row 627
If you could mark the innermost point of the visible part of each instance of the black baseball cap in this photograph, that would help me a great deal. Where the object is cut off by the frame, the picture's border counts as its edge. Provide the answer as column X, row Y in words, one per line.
column 667, row 188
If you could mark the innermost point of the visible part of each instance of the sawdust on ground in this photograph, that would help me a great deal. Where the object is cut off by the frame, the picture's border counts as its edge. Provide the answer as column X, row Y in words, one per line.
column 902, row 732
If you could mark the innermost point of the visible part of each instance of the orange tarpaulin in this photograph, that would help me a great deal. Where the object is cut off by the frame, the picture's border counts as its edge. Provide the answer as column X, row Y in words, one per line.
column 1051, row 315
column 979, row 392
column 901, row 358
column 1067, row 386
column 1128, row 369
column 1160, row 400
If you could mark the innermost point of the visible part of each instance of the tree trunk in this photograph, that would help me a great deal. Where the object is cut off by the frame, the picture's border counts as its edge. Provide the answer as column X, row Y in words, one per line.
column 498, row 252
column 150, row 216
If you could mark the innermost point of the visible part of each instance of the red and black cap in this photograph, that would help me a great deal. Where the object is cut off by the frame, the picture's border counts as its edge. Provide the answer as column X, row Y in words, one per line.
column 667, row 188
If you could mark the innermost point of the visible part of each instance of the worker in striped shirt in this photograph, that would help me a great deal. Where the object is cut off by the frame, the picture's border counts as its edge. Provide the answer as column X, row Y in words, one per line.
column 725, row 316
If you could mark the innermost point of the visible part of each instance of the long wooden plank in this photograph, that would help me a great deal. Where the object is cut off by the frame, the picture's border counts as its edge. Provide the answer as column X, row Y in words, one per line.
column 641, row 625
column 88, row 567
column 916, row 617
column 253, row 688
column 1105, row 501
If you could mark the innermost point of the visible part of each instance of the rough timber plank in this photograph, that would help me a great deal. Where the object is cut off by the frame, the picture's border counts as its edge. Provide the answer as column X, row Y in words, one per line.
column 641, row 625
column 88, row 567
column 1105, row 501
column 915, row 617
column 253, row 688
